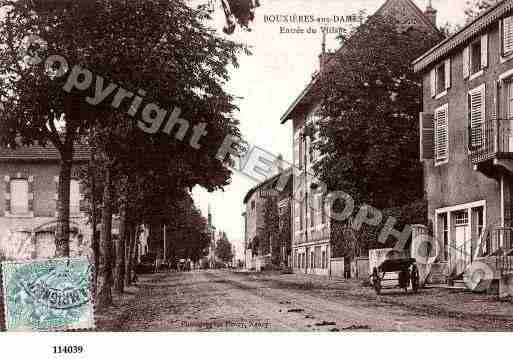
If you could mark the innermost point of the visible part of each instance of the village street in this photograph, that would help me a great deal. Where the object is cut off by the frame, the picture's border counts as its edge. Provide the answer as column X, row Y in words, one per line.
column 228, row 301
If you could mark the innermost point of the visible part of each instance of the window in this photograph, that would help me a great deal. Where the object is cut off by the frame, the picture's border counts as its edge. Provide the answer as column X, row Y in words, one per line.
column 441, row 134
column 461, row 218
column 312, row 219
column 253, row 205
column 507, row 35
column 324, row 264
column 19, row 196
column 312, row 260
column 441, row 78
column 476, row 105
column 475, row 57
column 74, row 199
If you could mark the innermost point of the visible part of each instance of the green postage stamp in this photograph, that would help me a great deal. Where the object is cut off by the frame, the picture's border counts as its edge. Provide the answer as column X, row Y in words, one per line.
column 48, row 295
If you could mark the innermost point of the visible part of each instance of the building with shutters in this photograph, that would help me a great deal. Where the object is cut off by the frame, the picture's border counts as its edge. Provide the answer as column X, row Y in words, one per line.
column 29, row 178
column 467, row 142
column 311, row 232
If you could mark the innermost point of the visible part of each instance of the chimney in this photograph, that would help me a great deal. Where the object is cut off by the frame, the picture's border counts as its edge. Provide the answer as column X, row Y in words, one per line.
column 431, row 13
column 324, row 56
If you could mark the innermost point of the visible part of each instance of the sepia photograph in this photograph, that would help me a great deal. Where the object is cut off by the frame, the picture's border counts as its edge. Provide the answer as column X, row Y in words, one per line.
column 255, row 166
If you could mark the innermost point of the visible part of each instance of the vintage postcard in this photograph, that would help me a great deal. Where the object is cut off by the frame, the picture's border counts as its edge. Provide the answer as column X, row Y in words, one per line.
column 245, row 166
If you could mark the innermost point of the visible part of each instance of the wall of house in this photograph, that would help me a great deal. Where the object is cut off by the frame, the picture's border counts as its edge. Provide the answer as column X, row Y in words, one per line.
column 15, row 230
column 310, row 239
column 456, row 182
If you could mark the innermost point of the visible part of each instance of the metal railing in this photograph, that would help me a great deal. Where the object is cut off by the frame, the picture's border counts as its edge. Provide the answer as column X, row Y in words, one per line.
column 492, row 138
column 500, row 245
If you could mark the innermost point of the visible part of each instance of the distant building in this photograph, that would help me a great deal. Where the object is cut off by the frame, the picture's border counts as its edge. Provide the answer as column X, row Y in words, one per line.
column 311, row 228
column 28, row 202
column 254, row 201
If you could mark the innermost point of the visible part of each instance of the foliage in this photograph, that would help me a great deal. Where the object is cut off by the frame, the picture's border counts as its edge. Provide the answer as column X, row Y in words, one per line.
column 187, row 231
column 371, row 100
column 224, row 249
column 350, row 242
column 474, row 8
column 270, row 231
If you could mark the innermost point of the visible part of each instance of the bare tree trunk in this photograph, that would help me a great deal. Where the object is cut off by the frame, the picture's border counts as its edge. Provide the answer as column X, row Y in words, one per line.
column 130, row 254
column 104, row 294
column 63, row 228
column 119, row 277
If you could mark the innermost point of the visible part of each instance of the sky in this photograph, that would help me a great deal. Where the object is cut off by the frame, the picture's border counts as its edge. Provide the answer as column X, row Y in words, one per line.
column 269, row 80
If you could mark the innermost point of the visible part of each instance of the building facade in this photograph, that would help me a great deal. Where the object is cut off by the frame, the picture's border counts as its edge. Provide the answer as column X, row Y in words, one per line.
column 311, row 231
column 254, row 218
column 28, row 203
column 467, row 140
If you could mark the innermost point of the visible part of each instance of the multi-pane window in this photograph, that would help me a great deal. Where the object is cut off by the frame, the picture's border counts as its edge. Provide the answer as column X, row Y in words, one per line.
column 19, row 189
column 507, row 35
column 476, row 103
column 441, row 78
column 475, row 56
column 441, row 134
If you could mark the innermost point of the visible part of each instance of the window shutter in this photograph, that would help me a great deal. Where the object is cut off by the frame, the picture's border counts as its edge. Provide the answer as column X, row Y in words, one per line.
column 432, row 77
column 466, row 62
column 477, row 114
column 447, row 73
column 296, row 150
column 484, row 51
column 427, row 133
column 441, row 134
column 507, row 35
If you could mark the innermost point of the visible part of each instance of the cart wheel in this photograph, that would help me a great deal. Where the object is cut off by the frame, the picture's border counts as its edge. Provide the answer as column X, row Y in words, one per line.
column 415, row 278
column 376, row 281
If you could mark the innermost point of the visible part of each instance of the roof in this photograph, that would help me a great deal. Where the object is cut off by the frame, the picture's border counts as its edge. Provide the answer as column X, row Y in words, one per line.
column 42, row 153
column 270, row 184
column 476, row 27
column 305, row 97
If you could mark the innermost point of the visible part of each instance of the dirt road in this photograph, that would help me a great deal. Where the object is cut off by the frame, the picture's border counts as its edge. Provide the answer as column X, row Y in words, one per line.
column 226, row 301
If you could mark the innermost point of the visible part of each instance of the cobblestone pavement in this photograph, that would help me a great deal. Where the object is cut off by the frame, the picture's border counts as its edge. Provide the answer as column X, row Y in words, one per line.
column 227, row 301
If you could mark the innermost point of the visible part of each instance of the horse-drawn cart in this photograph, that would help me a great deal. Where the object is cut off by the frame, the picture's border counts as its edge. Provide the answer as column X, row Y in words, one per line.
column 406, row 269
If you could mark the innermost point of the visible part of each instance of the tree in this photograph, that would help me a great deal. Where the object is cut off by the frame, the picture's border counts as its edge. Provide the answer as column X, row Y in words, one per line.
column 178, row 63
column 269, row 243
column 285, row 232
column 36, row 108
column 224, row 249
column 238, row 11
column 474, row 8
column 371, row 100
